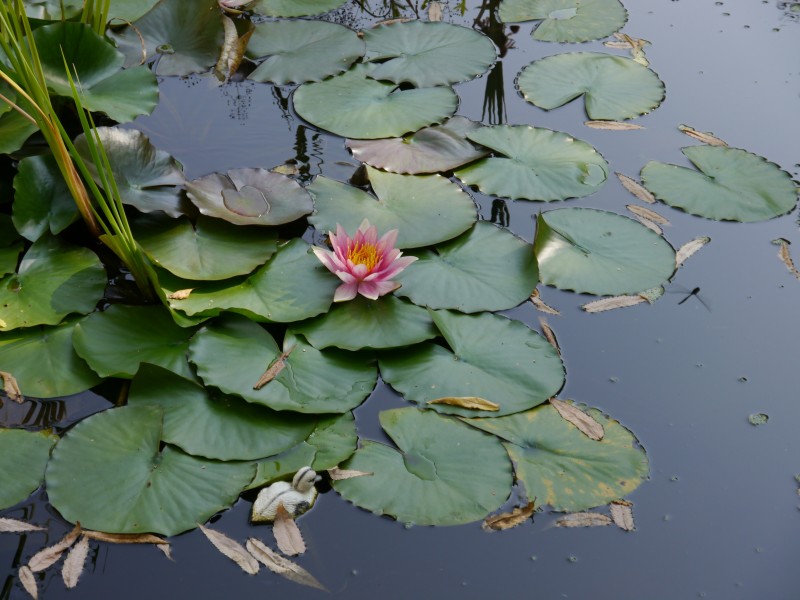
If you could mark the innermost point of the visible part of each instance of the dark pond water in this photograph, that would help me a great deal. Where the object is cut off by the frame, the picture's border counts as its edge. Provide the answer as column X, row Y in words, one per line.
column 720, row 514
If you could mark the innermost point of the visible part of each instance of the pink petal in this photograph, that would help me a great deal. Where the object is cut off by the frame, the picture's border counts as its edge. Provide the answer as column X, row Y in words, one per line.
column 347, row 277
column 327, row 258
column 360, row 271
column 346, row 291
column 374, row 289
column 388, row 241
column 397, row 266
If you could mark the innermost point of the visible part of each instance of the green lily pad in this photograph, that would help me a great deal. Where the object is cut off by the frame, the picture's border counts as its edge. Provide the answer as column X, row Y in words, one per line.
column 184, row 36
column 11, row 246
column 44, row 362
column 613, row 87
column 485, row 268
column 333, row 441
column 53, row 280
column 53, row 10
column 209, row 424
column 293, row 285
column 118, row 340
column 23, row 457
column 42, row 201
column 563, row 467
column 729, row 185
column 110, row 474
column 233, row 353
column 425, row 209
column 538, row 164
column 210, row 249
column 294, row 8
column 147, row 178
column 567, row 20
column 300, row 51
column 129, row 10
column 250, row 197
column 428, row 53
column 433, row 149
column 14, row 128
column 440, row 473
column 356, row 106
column 104, row 86
column 387, row 322
column 490, row 357
column 598, row 252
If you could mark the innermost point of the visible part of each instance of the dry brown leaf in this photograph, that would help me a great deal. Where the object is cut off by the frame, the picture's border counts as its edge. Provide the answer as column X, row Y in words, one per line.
column 274, row 369
column 612, row 125
column 650, row 225
column 74, row 563
column 434, row 11
column 232, row 549
column 11, row 387
column 646, row 213
column 548, row 334
column 586, row 424
column 504, row 521
column 392, row 21
column 28, row 581
column 636, row 188
column 702, row 136
column 14, row 526
column 337, row 474
column 468, row 402
column 233, row 48
column 584, row 519
column 786, row 257
column 689, row 248
column 126, row 538
column 617, row 45
column 281, row 565
column 622, row 515
column 541, row 306
column 612, row 303
column 48, row 556
column 287, row 533
column 166, row 549
column 180, row 294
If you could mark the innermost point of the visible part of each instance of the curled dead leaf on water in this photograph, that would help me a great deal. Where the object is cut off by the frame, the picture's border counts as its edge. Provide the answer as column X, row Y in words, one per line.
column 540, row 305
column 281, row 565
column 166, row 550
column 11, row 387
column 702, row 136
column 337, row 474
column 28, row 581
column 274, row 369
column 232, row 549
column 548, row 334
column 125, row 538
column 584, row 519
column 50, row 555
column 646, row 213
column 785, row 256
column 74, row 563
column 180, row 294
column 14, row 526
column 649, row 224
column 585, row 423
column 636, row 188
column 612, row 125
column 468, row 402
column 434, row 11
column 612, row 303
column 689, row 248
column 622, row 514
column 287, row 533
column 504, row 521
column 233, row 48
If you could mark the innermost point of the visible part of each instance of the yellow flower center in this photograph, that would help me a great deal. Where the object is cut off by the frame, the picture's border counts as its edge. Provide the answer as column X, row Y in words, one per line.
column 364, row 254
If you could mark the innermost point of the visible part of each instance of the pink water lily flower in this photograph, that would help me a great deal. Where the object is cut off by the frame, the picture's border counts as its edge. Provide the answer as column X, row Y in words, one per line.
column 364, row 263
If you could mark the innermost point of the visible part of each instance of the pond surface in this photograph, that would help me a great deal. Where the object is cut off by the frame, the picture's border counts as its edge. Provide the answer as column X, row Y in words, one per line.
column 718, row 517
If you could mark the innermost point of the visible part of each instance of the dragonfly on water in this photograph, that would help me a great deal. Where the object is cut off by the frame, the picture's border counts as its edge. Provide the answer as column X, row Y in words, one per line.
column 689, row 293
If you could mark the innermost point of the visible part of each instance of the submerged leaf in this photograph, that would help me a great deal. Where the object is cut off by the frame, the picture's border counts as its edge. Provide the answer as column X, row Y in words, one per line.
column 469, row 402
column 15, row 526
column 50, row 555
column 74, row 563
column 702, row 136
column 585, row 423
column 282, row 566
column 232, row 549
column 287, row 533
column 504, row 521
column 584, row 519
column 689, row 248
column 622, row 514
column 636, row 188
